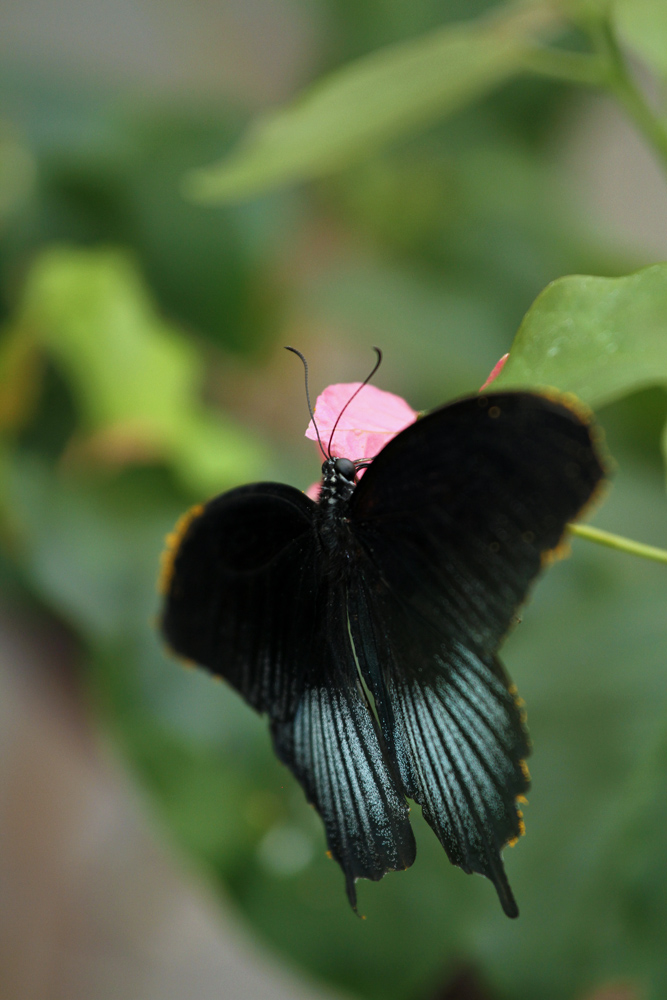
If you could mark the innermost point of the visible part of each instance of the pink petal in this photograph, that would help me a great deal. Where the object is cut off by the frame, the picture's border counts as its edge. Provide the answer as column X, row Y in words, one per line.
column 372, row 419
column 313, row 490
column 495, row 372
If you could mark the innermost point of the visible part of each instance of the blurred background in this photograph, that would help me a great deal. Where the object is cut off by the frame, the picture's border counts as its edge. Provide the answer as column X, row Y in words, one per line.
column 150, row 844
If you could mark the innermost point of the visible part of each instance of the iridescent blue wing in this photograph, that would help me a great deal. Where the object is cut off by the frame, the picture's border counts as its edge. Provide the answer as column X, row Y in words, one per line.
column 452, row 522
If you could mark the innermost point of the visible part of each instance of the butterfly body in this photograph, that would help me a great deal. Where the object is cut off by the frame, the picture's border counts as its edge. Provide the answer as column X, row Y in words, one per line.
column 332, row 507
column 402, row 582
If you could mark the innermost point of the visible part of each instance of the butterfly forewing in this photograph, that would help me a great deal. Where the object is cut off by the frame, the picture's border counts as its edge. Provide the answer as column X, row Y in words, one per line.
column 459, row 509
column 243, row 567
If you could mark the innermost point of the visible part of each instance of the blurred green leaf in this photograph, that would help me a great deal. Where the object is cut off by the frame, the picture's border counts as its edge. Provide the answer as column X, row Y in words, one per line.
column 359, row 28
column 90, row 550
column 450, row 332
column 600, row 338
column 489, row 223
column 380, row 98
column 217, row 272
column 83, row 168
column 135, row 377
column 17, row 171
column 20, row 379
column 642, row 24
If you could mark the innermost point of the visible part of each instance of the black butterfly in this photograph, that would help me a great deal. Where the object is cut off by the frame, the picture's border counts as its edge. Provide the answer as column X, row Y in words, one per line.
column 402, row 584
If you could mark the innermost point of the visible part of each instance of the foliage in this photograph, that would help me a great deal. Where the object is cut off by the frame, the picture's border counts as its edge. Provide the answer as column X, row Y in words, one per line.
column 434, row 216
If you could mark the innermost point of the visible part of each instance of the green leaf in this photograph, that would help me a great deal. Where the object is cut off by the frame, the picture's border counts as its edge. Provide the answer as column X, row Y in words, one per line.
column 600, row 338
column 91, row 550
column 642, row 24
column 20, row 378
column 136, row 378
column 17, row 171
column 373, row 101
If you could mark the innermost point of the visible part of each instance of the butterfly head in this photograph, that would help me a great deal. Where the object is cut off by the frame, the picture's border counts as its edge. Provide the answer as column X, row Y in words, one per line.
column 338, row 481
column 342, row 468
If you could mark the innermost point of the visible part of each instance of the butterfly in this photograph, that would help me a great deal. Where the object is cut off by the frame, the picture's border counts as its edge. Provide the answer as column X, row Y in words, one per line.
column 366, row 625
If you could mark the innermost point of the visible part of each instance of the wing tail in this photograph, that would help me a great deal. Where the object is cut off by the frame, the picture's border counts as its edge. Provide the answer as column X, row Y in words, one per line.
column 462, row 761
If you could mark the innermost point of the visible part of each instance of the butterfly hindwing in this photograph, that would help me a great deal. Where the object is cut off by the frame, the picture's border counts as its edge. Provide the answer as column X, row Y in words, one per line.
column 249, row 599
column 333, row 747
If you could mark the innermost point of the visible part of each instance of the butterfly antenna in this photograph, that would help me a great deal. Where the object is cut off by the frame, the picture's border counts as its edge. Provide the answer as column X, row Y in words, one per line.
column 356, row 393
column 310, row 409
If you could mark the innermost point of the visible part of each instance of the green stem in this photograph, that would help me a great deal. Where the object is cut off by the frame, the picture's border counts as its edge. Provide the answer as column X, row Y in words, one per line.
column 621, row 84
column 619, row 543
column 606, row 69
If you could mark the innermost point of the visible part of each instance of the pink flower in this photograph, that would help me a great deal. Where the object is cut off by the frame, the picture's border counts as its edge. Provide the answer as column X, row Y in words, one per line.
column 372, row 419
column 495, row 371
